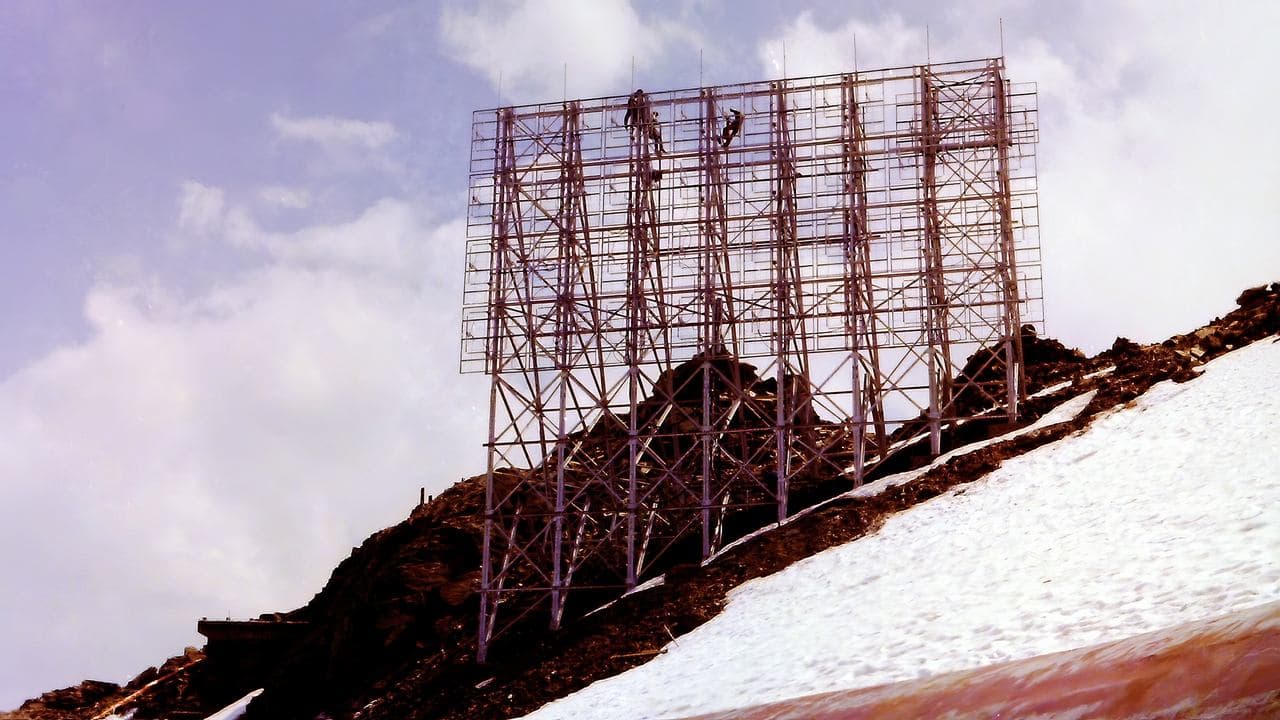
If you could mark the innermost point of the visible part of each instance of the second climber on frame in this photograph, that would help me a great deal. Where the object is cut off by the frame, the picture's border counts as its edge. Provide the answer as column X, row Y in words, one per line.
column 655, row 134
column 732, row 124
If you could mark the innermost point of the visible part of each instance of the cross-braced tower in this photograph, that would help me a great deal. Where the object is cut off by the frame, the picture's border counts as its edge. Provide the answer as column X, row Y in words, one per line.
column 694, row 304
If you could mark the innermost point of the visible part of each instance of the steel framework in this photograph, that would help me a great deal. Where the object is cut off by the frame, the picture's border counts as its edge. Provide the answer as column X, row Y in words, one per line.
column 869, row 239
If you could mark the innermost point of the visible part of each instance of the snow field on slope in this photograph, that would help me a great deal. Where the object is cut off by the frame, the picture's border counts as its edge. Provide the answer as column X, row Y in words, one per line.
column 237, row 709
column 1060, row 414
column 1158, row 514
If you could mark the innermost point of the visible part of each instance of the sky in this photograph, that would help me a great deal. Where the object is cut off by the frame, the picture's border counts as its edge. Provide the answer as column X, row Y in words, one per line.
column 231, row 253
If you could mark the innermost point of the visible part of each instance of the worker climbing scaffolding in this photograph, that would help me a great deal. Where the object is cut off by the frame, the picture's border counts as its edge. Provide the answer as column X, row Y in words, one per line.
column 732, row 125
column 655, row 134
column 640, row 118
column 636, row 105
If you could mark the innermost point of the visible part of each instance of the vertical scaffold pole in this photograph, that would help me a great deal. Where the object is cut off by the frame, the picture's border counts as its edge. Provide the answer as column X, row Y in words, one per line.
column 790, row 343
column 645, row 316
column 563, row 242
column 718, row 331
column 781, row 436
column 1008, row 265
column 567, row 253
column 503, row 182
column 935, row 280
column 635, row 316
column 863, row 340
column 709, row 333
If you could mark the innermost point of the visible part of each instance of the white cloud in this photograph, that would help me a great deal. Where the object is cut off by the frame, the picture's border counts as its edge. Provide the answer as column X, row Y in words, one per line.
column 805, row 48
column 218, row 454
column 331, row 132
column 385, row 238
column 346, row 146
column 525, row 45
column 200, row 208
column 1158, row 203
column 286, row 197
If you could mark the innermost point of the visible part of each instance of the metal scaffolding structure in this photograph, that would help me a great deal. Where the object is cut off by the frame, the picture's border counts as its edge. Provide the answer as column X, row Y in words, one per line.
column 868, row 240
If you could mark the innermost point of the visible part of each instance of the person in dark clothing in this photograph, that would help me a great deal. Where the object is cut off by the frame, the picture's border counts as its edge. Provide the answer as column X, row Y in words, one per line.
column 655, row 134
column 635, row 108
column 732, row 124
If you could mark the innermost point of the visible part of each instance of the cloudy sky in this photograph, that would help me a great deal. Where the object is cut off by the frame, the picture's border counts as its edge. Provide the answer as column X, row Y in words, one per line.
column 230, row 253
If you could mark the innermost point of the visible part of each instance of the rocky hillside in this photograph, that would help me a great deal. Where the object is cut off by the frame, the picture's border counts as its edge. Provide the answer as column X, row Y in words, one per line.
column 391, row 633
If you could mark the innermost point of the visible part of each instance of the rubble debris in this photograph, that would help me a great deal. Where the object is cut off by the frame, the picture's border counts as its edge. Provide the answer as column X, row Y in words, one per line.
column 174, row 695
column 68, row 701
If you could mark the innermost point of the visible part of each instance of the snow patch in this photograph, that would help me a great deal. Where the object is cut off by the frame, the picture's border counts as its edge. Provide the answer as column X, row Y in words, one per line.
column 237, row 709
column 652, row 582
column 1062, row 413
column 1158, row 514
